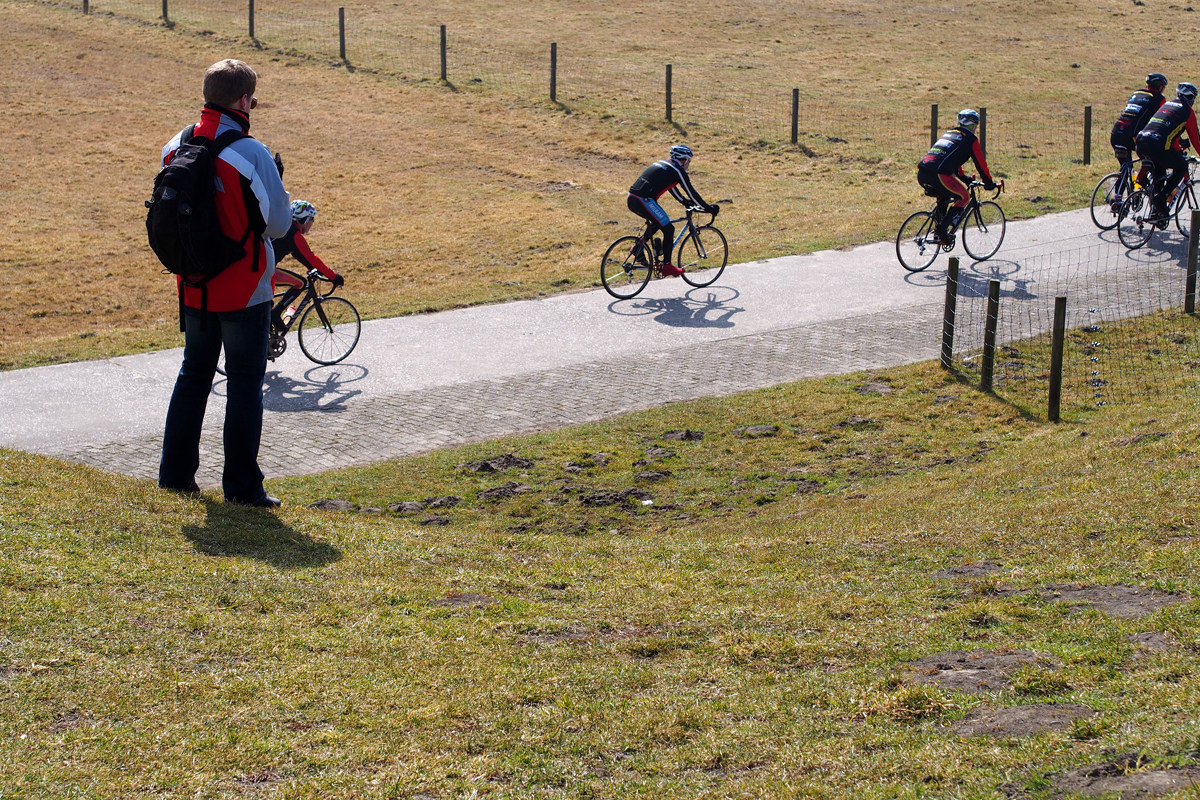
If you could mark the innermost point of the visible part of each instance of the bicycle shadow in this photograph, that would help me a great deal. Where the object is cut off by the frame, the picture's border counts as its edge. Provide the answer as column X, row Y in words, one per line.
column 322, row 389
column 706, row 307
column 231, row 530
column 973, row 281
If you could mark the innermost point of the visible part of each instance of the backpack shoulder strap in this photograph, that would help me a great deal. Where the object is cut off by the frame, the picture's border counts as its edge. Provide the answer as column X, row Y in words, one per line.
column 224, row 140
column 188, row 133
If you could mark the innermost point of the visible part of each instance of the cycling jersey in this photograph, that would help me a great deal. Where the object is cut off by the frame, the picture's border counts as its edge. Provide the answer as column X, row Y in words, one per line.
column 294, row 244
column 1139, row 108
column 950, row 153
column 1164, row 129
column 666, row 176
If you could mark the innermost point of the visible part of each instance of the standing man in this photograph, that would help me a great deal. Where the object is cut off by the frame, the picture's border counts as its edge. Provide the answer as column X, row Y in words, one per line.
column 234, row 307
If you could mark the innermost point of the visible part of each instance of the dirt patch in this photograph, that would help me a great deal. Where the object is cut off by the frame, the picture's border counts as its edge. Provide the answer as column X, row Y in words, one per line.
column 510, row 489
column 874, row 387
column 653, row 475
column 755, row 431
column 498, row 463
column 464, row 600
column 436, row 521
column 1151, row 642
column 1125, row 602
column 977, row 569
column 66, row 722
column 1139, row 438
column 683, row 436
column 1129, row 777
column 974, row 671
column 1028, row 720
column 446, row 501
column 611, row 498
column 406, row 507
column 856, row 422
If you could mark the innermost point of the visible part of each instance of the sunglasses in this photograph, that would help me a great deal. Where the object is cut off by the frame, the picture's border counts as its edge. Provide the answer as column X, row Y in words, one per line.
column 254, row 102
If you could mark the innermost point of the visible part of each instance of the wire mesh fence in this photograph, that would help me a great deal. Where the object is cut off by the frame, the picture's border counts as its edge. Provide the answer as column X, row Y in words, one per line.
column 746, row 100
column 1126, row 334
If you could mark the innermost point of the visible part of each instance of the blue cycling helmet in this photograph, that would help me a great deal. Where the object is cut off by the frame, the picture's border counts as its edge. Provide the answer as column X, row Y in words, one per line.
column 968, row 118
column 681, row 152
column 1187, row 91
column 303, row 211
column 1156, row 80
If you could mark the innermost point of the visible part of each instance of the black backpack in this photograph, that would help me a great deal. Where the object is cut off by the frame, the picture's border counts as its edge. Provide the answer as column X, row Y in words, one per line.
column 181, row 220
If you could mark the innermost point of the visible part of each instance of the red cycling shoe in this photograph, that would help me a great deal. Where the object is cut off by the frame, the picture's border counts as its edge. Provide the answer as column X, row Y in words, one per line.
column 671, row 271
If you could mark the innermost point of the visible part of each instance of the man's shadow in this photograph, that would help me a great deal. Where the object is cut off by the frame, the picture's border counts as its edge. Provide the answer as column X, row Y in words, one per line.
column 240, row 531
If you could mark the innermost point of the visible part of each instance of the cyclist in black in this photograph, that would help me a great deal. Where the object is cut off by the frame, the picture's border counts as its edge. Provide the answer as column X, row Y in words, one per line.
column 657, row 179
column 1162, row 143
column 941, row 175
column 1139, row 108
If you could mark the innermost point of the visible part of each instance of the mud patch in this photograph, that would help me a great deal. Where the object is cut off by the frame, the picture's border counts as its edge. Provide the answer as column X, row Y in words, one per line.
column 977, row 569
column 498, row 463
column 1129, row 777
column 464, row 600
column 1028, row 720
column 1125, row 602
column 974, row 671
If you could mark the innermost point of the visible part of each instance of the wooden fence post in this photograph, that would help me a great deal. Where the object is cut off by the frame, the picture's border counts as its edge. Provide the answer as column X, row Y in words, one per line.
column 166, row 17
column 933, row 131
column 795, row 116
column 1056, row 356
column 989, row 336
column 948, row 316
column 554, row 72
column 342, row 32
column 251, row 19
column 85, row 6
column 1189, row 297
column 669, row 93
column 444, row 53
column 983, row 130
column 1087, row 134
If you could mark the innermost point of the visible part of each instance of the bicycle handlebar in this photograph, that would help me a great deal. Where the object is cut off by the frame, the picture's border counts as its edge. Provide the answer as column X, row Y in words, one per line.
column 698, row 210
column 314, row 276
column 999, row 187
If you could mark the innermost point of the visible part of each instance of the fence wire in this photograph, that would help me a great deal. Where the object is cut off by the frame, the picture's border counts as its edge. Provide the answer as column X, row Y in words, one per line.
column 1127, row 336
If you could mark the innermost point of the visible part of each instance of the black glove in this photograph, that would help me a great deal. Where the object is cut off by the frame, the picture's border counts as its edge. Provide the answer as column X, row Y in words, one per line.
column 714, row 209
column 279, row 164
column 338, row 281
column 989, row 185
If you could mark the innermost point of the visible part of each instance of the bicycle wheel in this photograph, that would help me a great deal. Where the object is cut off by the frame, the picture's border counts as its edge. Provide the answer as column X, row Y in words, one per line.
column 626, row 267
column 1133, row 229
column 702, row 255
column 1184, row 203
column 983, row 231
column 914, row 243
column 329, row 330
column 1106, row 201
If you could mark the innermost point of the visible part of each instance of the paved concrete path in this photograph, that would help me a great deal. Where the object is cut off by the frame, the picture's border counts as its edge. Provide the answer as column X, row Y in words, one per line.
column 419, row 383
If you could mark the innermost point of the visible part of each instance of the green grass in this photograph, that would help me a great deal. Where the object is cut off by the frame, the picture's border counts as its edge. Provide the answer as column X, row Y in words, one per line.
column 743, row 635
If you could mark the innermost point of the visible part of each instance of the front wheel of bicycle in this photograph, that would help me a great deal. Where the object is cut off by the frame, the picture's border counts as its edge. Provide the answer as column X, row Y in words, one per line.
column 983, row 231
column 626, row 267
column 1183, row 210
column 915, row 245
column 329, row 330
column 1106, row 201
column 1135, row 222
column 702, row 255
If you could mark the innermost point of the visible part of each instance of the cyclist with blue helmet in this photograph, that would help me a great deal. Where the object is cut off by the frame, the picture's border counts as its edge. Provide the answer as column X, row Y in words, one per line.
column 294, row 244
column 659, row 178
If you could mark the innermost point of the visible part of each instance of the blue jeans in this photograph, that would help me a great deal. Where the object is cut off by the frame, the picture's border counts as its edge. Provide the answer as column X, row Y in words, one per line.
column 244, row 335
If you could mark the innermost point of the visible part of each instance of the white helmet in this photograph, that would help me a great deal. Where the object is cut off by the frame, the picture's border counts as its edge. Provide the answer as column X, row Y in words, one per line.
column 968, row 118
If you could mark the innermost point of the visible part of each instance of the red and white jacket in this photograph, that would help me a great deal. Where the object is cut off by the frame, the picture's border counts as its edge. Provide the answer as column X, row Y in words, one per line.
column 250, row 193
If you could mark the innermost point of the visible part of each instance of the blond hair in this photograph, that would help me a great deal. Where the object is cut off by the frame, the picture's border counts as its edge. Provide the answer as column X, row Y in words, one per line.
column 226, row 82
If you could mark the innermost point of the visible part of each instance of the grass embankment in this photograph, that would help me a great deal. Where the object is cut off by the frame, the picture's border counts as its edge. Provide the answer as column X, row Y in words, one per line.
column 432, row 198
column 741, row 635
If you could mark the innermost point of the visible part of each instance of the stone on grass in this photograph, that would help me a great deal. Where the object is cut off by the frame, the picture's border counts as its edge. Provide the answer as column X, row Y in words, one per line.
column 330, row 504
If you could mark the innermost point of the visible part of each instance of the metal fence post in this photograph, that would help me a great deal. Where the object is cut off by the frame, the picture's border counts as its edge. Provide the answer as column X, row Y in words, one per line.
column 669, row 93
column 1056, row 356
column 342, row 32
column 1189, row 298
column 1087, row 134
column 554, row 72
column 989, row 336
column 443, row 52
column 795, row 116
column 251, row 19
column 933, row 131
column 948, row 316
column 983, row 130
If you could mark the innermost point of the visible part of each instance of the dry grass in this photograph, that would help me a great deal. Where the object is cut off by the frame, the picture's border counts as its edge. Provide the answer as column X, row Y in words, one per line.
column 431, row 198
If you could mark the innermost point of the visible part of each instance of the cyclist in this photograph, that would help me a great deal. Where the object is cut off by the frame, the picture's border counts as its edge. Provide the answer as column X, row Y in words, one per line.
column 941, row 175
column 294, row 244
column 657, row 179
column 1162, row 143
column 1139, row 108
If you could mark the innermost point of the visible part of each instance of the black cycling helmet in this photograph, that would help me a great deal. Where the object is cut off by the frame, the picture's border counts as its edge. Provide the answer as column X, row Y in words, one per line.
column 1188, row 92
column 1156, row 80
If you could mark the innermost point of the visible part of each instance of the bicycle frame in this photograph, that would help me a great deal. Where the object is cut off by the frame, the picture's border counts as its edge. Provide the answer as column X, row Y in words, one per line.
column 309, row 295
column 683, row 231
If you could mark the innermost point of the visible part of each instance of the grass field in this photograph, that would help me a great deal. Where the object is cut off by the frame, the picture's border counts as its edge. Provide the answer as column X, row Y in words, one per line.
column 743, row 634
column 432, row 198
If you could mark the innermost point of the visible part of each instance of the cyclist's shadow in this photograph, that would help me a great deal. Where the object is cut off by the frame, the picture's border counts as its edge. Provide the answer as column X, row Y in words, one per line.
column 322, row 389
column 706, row 307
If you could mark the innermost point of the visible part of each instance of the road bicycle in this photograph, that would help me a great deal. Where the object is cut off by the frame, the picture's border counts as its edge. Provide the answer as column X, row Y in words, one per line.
column 981, row 221
column 1138, row 219
column 631, row 261
column 1110, row 193
column 327, row 327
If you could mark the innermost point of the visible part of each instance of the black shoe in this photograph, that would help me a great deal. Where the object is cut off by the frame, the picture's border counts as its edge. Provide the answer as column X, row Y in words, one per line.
column 192, row 489
column 262, row 501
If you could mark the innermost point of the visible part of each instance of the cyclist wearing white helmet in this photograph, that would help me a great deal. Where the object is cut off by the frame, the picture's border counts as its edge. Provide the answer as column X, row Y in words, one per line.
column 1162, row 142
column 294, row 244
column 940, row 172
column 1139, row 108
column 657, row 179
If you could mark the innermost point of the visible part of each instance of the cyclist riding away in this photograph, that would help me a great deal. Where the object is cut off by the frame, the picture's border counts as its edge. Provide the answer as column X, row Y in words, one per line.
column 294, row 244
column 657, row 179
column 1139, row 108
column 1162, row 143
column 941, row 175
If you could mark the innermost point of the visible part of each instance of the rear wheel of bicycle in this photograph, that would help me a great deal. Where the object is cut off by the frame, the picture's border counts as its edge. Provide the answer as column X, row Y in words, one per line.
column 983, row 231
column 1184, row 203
column 626, row 267
column 1106, row 202
column 702, row 255
column 329, row 330
column 1133, row 227
column 914, row 243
